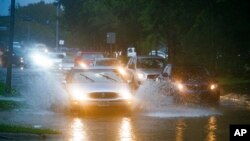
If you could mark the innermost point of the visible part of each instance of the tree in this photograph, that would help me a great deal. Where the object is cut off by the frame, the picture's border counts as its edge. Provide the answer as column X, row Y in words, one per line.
column 32, row 25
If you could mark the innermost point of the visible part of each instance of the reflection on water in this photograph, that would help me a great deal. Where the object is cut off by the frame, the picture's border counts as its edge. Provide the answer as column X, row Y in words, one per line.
column 211, row 129
column 180, row 128
column 78, row 130
column 126, row 132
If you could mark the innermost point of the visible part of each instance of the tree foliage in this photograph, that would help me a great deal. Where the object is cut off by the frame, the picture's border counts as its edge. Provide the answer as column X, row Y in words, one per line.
column 212, row 32
column 36, row 23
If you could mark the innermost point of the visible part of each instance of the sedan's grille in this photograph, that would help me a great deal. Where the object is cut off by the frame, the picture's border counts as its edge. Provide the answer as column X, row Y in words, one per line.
column 102, row 95
column 152, row 76
column 197, row 87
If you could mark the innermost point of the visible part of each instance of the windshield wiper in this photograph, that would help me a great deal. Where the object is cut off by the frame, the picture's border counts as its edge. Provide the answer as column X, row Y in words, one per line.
column 108, row 77
column 87, row 77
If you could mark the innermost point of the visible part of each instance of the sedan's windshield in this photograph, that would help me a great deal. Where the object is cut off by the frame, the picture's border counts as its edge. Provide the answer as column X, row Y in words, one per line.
column 150, row 63
column 190, row 72
column 97, row 76
column 92, row 56
column 111, row 62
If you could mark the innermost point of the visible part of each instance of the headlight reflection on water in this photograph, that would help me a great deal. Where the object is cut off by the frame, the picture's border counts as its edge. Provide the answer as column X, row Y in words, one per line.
column 126, row 131
column 78, row 130
column 180, row 129
column 211, row 128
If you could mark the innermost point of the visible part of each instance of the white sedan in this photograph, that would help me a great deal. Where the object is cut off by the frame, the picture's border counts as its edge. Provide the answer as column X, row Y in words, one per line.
column 98, row 87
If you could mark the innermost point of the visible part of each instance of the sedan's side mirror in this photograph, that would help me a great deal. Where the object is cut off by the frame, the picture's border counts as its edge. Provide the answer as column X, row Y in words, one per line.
column 165, row 75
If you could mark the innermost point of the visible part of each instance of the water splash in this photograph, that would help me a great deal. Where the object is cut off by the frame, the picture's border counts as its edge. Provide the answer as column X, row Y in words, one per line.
column 155, row 99
column 43, row 91
column 236, row 100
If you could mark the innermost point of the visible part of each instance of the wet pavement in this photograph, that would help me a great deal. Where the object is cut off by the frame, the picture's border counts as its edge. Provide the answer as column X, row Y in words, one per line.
column 159, row 118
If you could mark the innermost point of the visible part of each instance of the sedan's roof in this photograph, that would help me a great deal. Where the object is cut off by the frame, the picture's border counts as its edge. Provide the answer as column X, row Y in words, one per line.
column 95, row 68
column 149, row 56
column 105, row 59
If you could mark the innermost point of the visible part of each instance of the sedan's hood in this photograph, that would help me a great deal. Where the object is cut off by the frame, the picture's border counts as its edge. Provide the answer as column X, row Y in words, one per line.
column 150, row 71
column 100, row 87
column 197, row 81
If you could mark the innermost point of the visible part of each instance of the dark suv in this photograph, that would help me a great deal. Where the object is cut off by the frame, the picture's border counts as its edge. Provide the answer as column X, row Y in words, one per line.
column 17, row 57
column 191, row 84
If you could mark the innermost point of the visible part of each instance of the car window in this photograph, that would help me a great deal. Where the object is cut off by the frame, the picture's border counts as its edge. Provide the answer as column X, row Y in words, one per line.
column 189, row 72
column 150, row 63
column 106, row 63
column 97, row 76
column 58, row 56
column 68, row 60
column 92, row 56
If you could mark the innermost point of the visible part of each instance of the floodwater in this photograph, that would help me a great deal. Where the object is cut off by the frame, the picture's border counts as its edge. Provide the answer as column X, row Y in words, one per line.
column 158, row 119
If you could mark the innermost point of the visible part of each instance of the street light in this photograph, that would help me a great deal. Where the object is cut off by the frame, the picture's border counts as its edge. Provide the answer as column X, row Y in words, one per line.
column 57, row 4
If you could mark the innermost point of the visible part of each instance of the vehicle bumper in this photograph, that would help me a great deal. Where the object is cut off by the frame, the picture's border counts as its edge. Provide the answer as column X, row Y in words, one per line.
column 102, row 104
column 199, row 96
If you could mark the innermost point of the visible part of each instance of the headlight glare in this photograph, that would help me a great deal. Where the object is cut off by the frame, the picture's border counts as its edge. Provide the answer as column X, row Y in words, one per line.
column 141, row 75
column 126, row 95
column 213, row 86
column 82, row 65
column 78, row 94
column 121, row 71
column 180, row 86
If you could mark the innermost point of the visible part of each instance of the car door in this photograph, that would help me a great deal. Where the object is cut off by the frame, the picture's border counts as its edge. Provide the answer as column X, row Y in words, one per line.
column 131, row 69
column 166, row 73
column 168, row 69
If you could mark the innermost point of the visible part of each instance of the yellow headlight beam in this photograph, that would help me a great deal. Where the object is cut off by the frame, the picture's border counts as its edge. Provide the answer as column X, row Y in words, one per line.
column 213, row 86
column 78, row 94
column 122, row 71
column 140, row 75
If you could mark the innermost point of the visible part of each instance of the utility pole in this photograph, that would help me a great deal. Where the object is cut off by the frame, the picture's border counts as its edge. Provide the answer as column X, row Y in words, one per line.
column 57, row 24
column 11, row 36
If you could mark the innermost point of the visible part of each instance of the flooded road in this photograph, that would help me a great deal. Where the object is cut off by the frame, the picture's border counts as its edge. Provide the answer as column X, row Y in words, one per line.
column 159, row 118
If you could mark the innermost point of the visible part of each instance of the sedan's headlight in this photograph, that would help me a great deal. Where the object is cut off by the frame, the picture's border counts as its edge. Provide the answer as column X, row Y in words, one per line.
column 82, row 65
column 78, row 94
column 122, row 71
column 213, row 86
column 126, row 95
column 179, row 86
column 41, row 60
column 141, row 75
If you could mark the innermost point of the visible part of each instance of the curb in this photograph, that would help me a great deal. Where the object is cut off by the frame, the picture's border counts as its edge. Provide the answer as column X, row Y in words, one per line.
column 29, row 136
column 16, row 99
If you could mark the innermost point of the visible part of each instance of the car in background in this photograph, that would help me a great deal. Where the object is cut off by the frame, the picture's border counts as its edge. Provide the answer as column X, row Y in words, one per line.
column 191, row 83
column 158, row 53
column 18, row 56
column 67, row 63
column 56, row 59
column 37, row 47
column 162, row 52
column 84, row 59
column 106, row 62
column 141, row 68
column 98, row 87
